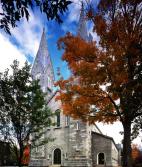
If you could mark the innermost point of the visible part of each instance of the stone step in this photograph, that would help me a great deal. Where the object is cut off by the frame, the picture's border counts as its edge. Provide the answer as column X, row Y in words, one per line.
column 77, row 162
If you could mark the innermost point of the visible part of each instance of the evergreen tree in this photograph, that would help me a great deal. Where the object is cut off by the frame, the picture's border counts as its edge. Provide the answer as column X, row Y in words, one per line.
column 23, row 110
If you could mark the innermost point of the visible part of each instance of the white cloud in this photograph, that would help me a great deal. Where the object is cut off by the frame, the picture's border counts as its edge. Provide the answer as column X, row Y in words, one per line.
column 8, row 53
column 28, row 34
column 74, row 8
column 73, row 15
column 23, row 42
column 74, row 11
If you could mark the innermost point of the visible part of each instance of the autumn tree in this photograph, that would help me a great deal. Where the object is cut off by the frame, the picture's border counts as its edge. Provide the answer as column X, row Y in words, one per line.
column 135, row 152
column 14, row 10
column 23, row 110
column 106, row 80
column 136, row 156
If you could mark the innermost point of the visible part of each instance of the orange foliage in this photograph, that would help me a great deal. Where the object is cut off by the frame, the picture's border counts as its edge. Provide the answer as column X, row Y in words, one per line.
column 113, row 65
column 135, row 152
column 26, row 155
column 91, row 68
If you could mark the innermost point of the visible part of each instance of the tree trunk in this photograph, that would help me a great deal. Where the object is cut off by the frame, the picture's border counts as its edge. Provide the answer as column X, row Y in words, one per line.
column 17, row 154
column 20, row 153
column 127, row 160
column 20, row 158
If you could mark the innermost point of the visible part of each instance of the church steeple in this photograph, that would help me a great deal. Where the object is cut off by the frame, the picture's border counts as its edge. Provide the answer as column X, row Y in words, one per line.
column 42, row 68
column 82, row 27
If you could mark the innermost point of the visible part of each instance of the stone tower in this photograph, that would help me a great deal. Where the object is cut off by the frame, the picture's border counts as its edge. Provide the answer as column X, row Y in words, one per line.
column 42, row 68
column 82, row 26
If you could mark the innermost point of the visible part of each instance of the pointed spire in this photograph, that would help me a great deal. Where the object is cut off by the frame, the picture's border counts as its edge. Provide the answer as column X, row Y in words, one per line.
column 43, row 50
column 82, row 27
column 42, row 68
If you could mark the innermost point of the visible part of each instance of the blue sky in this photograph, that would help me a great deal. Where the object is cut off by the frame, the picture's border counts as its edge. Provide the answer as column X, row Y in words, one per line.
column 24, row 42
column 26, row 37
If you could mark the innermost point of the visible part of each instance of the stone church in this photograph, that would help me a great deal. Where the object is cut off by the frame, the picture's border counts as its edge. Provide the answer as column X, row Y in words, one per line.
column 76, row 143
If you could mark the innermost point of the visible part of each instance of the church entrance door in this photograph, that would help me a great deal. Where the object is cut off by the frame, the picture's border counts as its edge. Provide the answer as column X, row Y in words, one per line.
column 57, row 156
column 101, row 159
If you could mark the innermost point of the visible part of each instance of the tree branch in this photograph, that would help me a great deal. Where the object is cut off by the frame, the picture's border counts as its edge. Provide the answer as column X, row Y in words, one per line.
column 116, row 107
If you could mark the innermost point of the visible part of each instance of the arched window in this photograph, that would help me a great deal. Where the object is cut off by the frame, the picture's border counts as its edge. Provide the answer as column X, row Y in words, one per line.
column 77, row 125
column 101, row 158
column 57, row 156
column 38, row 76
column 49, row 82
column 57, row 113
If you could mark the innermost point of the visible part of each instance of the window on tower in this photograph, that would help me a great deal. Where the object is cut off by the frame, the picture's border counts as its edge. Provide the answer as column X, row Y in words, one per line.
column 67, row 120
column 44, row 89
column 77, row 125
column 57, row 113
column 49, row 82
column 38, row 76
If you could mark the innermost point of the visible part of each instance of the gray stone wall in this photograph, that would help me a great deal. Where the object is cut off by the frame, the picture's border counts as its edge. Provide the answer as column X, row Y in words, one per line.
column 73, row 140
column 79, row 144
column 101, row 144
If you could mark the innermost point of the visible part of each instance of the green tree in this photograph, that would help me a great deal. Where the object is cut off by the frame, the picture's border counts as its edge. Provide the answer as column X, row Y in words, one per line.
column 24, row 112
column 14, row 10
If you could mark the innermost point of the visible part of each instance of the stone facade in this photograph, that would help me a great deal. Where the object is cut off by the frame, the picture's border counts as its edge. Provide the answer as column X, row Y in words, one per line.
column 106, row 145
column 79, row 143
column 75, row 144
column 72, row 137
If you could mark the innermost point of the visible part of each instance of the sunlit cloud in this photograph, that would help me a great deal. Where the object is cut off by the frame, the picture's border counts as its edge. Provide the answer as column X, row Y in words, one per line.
column 8, row 53
column 74, row 11
column 23, row 42
column 27, row 35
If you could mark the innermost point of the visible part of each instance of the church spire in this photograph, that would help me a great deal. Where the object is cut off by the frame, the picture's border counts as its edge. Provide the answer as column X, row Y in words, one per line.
column 82, row 27
column 42, row 68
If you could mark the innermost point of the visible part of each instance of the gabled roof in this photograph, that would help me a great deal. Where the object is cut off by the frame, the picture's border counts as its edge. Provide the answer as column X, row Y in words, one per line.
column 107, row 137
column 42, row 54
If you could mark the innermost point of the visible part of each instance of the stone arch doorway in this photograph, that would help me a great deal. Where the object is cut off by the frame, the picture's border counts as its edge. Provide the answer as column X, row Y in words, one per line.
column 101, row 159
column 57, row 156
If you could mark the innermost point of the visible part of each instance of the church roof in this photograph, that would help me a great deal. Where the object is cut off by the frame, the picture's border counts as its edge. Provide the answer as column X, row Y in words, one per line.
column 42, row 58
column 43, row 48
column 42, row 68
column 107, row 137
